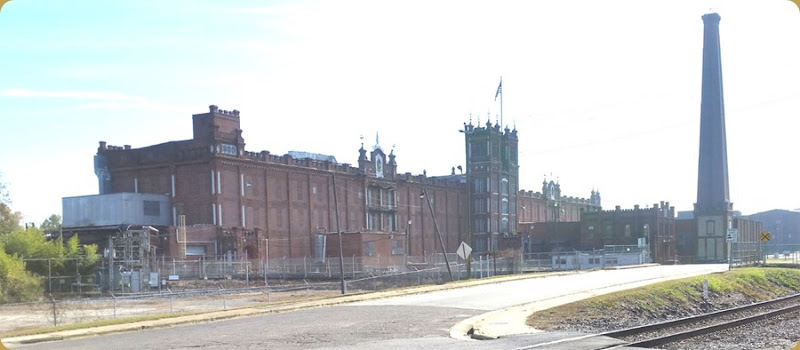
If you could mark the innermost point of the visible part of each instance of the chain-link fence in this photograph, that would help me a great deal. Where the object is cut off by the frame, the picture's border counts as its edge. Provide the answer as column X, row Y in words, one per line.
column 202, row 285
column 764, row 253
column 52, row 311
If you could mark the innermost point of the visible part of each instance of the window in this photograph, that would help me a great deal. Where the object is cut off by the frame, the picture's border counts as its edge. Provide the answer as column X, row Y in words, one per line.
column 391, row 222
column 646, row 229
column 479, row 225
column 228, row 149
column 397, row 248
column 371, row 222
column 372, row 197
column 392, row 199
column 479, row 206
column 504, row 206
column 152, row 208
column 479, row 186
column 505, row 225
column 504, row 186
column 627, row 230
column 369, row 248
column 609, row 231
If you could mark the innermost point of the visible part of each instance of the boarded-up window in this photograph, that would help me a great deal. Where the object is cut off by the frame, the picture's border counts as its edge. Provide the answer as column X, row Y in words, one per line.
column 369, row 248
column 195, row 250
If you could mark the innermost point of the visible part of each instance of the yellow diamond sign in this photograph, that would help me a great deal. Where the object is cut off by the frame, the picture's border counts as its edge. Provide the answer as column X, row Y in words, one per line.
column 765, row 236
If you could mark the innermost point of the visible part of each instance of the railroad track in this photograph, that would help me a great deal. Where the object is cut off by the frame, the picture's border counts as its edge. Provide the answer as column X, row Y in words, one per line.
column 676, row 330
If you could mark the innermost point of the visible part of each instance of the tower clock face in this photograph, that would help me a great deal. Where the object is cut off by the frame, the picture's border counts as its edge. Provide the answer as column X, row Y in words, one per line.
column 379, row 166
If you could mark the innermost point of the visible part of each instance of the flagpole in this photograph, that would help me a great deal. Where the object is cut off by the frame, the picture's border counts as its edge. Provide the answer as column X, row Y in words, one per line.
column 501, row 104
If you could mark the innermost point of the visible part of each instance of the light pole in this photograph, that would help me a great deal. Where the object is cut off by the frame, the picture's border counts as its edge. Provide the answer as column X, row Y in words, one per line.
column 407, row 242
column 339, row 233
column 266, row 261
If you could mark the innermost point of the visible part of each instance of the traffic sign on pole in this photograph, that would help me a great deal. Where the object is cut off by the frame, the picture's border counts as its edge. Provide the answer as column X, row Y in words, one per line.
column 765, row 236
column 464, row 250
column 733, row 235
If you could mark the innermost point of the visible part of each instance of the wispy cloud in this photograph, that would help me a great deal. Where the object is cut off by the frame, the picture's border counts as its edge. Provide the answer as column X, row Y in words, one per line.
column 138, row 105
column 96, row 100
column 69, row 94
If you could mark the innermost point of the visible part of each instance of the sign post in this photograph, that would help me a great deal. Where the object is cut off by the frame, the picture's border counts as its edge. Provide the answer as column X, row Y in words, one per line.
column 463, row 252
column 764, row 237
column 731, row 237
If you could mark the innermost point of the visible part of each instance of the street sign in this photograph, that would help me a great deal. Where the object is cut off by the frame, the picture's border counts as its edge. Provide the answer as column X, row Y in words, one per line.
column 733, row 235
column 765, row 236
column 464, row 250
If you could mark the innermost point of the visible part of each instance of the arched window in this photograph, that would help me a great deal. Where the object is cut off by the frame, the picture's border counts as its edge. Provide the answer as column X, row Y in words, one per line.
column 627, row 230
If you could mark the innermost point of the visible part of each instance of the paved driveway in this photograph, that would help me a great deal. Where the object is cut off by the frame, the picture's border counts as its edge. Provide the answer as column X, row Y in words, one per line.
column 416, row 321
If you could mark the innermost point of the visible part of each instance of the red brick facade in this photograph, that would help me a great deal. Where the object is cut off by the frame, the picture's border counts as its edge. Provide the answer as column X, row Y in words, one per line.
column 246, row 198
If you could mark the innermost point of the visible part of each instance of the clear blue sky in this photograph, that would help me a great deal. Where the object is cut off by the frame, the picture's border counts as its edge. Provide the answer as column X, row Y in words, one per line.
column 605, row 94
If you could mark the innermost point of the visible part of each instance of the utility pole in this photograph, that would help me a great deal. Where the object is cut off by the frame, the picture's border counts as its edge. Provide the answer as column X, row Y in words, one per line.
column 467, row 149
column 407, row 244
column 339, row 233
column 436, row 227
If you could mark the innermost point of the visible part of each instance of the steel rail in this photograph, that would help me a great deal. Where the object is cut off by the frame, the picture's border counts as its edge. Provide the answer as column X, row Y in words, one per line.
column 713, row 328
column 701, row 330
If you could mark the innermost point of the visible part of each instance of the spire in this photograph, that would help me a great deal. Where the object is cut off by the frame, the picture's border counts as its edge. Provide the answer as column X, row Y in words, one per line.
column 362, row 153
column 377, row 142
column 712, row 177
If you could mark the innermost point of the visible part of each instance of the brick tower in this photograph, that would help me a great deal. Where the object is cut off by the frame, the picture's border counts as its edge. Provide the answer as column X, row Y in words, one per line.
column 493, row 182
column 713, row 208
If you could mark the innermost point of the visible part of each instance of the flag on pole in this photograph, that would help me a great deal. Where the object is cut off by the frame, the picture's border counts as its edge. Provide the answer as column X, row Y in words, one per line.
column 499, row 90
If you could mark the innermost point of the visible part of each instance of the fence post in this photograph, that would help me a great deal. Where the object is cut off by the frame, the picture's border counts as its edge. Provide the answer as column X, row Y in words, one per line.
column 170, row 300
column 115, row 304
column 305, row 270
column 224, row 302
column 247, row 274
column 49, row 277
column 354, row 266
column 480, row 263
column 55, row 318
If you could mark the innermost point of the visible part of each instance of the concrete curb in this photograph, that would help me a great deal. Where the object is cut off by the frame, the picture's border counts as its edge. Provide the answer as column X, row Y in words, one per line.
column 256, row 311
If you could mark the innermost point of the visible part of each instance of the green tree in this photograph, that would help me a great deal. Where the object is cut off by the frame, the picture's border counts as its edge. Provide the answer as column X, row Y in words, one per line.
column 4, row 196
column 9, row 220
column 17, row 284
column 51, row 225
column 51, row 257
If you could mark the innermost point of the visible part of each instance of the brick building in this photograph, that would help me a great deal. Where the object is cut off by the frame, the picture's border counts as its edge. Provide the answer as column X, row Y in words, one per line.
column 240, row 203
column 250, row 198
column 652, row 229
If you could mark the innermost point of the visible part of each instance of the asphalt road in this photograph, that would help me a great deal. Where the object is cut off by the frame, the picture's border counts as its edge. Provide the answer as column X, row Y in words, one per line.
column 411, row 322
